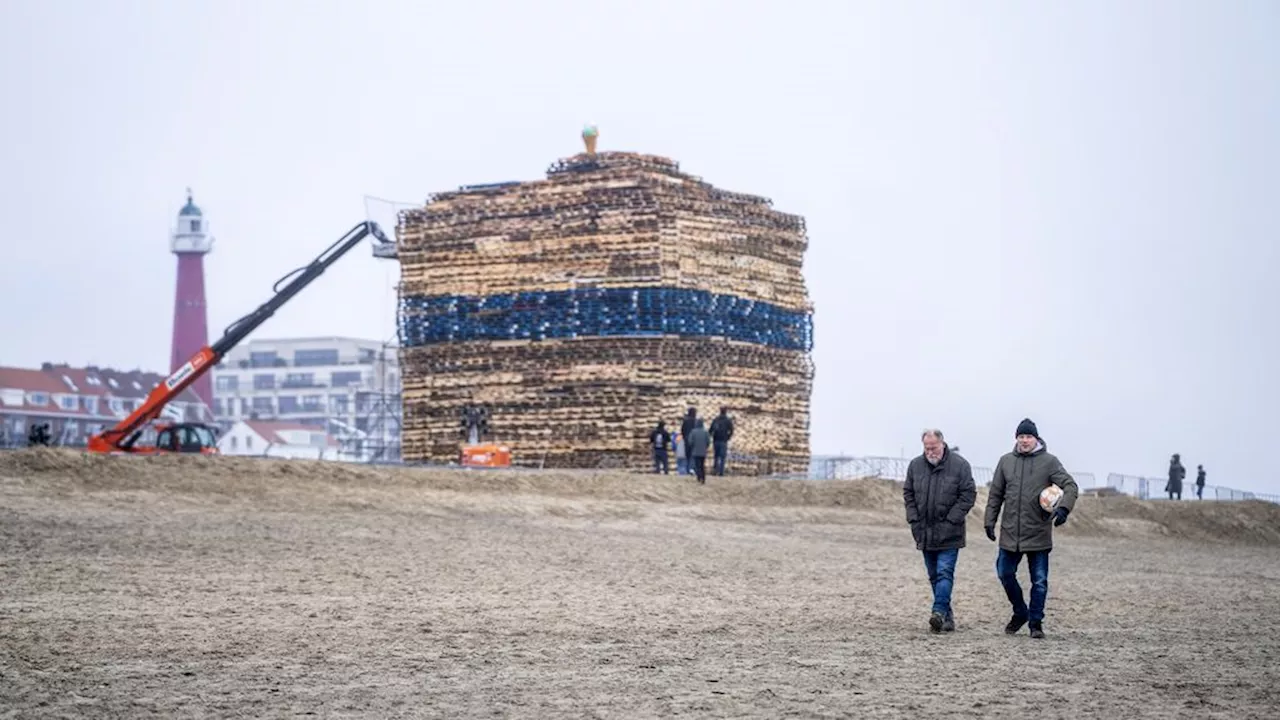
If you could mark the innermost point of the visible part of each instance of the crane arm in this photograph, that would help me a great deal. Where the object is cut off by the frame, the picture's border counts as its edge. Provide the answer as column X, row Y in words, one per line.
column 122, row 436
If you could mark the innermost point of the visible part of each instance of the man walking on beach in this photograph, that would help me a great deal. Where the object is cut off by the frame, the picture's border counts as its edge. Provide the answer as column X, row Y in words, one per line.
column 938, row 494
column 1026, row 528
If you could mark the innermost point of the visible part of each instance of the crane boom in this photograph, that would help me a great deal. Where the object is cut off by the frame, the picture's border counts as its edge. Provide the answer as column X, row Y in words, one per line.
column 124, row 434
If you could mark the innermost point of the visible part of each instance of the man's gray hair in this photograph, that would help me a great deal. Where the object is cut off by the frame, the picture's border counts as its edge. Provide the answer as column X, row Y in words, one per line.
column 931, row 431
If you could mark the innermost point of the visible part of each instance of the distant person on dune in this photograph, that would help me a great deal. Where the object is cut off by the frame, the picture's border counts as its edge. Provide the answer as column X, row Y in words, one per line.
column 696, row 445
column 1026, row 528
column 1199, row 482
column 1176, row 473
column 938, row 494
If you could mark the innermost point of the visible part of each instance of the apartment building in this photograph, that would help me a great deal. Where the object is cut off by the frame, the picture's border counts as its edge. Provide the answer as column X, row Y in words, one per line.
column 346, row 387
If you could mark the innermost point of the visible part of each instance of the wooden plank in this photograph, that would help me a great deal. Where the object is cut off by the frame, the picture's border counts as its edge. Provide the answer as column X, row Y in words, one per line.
column 618, row 220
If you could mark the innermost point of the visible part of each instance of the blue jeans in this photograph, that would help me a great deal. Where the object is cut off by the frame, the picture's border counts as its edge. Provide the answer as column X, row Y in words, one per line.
column 660, row 464
column 941, row 566
column 682, row 465
column 1038, row 567
column 721, row 449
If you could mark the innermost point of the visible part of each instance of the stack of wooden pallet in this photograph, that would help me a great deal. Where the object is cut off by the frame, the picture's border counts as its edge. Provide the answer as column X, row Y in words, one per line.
column 583, row 308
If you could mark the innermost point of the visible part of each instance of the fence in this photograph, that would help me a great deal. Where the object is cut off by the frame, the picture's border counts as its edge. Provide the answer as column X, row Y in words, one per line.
column 839, row 467
column 1151, row 488
column 824, row 467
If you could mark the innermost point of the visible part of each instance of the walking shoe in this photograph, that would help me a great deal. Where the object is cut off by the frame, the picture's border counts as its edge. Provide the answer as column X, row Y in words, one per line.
column 1015, row 624
column 936, row 621
column 949, row 625
column 1037, row 631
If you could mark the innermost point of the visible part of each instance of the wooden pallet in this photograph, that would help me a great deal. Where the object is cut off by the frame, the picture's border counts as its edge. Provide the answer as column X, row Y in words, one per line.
column 612, row 220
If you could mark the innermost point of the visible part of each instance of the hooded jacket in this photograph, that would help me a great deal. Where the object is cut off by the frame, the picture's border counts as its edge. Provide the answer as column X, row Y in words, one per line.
column 1015, row 489
column 698, row 442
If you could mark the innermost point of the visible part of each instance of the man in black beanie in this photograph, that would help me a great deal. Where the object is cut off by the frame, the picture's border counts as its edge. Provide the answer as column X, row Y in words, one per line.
column 1026, row 528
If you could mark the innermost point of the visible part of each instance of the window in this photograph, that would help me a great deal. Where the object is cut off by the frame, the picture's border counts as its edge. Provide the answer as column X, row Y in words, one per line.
column 262, row 404
column 138, row 386
column 38, row 398
column 262, row 359
column 226, row 383
column 338, row 404
column 233, row 442
column 70, row 383
column 112, row 382
column 288, row 404
column 248, row 442
column 116, row 405
column 345, row 378
column 92, row 380
column 91, row 404
column 217, row 406
column 312, row 403
column 367, row 356
column 195, row 226
column 264, row 382
column 298, row 380
column 309, row 358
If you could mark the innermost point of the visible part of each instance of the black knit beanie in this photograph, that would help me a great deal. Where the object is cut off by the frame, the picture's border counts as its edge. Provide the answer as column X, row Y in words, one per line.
column 1026, row 427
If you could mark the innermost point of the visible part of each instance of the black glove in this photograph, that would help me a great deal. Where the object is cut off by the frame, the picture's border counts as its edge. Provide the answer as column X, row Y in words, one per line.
column 991, row 533
column 1060, row 516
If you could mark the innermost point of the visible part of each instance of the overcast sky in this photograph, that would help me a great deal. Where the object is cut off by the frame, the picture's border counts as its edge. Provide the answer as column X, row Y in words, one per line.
column 1066, row 212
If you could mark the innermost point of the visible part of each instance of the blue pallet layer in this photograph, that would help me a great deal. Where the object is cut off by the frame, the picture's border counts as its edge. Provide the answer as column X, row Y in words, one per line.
column 621, row 312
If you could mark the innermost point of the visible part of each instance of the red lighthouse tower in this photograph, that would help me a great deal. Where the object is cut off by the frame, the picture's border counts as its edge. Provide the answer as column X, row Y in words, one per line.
column 191, row 242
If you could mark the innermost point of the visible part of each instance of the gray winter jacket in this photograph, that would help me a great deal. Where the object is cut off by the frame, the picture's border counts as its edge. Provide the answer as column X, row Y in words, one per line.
column 1015, row 488
column 698, row 442
column 938, row 498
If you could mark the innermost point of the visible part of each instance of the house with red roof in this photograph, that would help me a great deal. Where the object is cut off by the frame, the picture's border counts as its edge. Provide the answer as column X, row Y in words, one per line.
column 280, row 438
column 78, row 402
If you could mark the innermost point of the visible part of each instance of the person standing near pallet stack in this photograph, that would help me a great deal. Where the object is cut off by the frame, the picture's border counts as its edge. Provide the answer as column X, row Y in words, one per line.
column 721, row 433
column 660, row 441
column 696, row 445
column 686, row 426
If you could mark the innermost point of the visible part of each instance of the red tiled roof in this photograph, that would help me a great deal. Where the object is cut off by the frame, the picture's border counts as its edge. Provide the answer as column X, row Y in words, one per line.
column 30, row 380
column 104, row 384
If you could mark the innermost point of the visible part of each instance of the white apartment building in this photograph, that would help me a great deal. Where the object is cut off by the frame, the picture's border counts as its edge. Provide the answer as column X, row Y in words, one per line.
column 346, row 387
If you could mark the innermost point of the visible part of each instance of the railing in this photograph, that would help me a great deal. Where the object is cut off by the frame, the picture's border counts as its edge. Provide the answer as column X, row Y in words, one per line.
column 1153, row 488
column 891, row 468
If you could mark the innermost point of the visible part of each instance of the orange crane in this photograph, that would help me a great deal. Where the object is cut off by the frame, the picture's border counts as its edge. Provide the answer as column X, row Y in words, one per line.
column 198, row 437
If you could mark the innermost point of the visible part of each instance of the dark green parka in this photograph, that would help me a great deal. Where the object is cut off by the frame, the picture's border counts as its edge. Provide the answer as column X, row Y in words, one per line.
column 1015, row 488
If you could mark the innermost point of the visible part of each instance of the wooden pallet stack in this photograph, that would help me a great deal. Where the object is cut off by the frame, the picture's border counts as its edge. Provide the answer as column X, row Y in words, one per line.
column 582, row 308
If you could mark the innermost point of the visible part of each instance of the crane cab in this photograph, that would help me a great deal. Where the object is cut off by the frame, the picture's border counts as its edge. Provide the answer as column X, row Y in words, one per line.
column 190, row 438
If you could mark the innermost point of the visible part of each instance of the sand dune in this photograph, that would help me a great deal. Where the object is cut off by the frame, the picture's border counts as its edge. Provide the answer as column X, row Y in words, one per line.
column 213, row 587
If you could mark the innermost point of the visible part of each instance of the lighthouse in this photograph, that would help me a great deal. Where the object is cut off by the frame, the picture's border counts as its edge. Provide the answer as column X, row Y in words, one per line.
column 191, row 242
